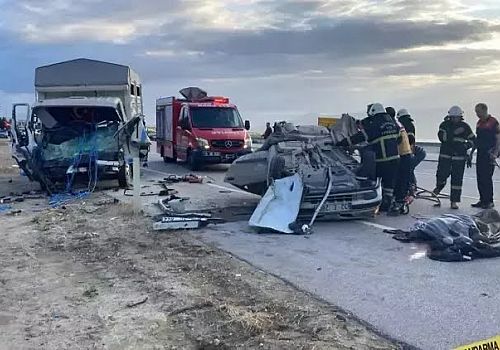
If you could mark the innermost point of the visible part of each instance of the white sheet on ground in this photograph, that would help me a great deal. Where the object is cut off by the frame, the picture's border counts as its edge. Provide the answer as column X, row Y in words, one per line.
column 280, row 205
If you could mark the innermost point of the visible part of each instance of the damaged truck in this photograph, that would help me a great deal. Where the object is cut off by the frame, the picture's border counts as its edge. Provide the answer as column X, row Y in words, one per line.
column 336, row 183
column 87, row 122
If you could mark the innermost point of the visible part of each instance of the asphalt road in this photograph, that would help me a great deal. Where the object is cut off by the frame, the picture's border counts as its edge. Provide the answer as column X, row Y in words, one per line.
column 391, row 285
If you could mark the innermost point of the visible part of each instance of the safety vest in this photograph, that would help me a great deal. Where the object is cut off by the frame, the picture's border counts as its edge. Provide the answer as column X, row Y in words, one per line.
column 404, row 147
column 382, row 133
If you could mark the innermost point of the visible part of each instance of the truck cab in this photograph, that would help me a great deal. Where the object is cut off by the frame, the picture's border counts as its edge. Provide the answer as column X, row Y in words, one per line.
column 201, row 130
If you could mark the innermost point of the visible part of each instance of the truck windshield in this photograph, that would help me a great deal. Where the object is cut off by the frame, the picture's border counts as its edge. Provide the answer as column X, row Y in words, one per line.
column 215, row 117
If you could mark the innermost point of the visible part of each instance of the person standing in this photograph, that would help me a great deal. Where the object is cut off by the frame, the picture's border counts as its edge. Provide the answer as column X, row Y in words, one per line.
column 404, row 171
column 382, row 133
column 419, row 153
column 456, row 138
column 488, row 149
column 268, row 131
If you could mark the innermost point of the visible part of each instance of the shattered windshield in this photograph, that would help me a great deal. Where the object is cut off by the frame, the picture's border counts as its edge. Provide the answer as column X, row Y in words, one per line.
column 215, row 117
column 58, row 116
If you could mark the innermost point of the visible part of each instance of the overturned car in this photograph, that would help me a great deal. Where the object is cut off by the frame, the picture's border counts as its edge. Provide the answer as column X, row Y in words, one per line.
column 332, row 177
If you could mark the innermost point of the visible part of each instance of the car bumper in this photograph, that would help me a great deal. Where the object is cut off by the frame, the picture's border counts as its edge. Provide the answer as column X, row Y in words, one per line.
column 216, row 157
column 345, row 206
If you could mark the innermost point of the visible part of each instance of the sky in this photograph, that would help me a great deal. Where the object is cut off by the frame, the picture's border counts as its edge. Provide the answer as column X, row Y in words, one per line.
column 276, row 59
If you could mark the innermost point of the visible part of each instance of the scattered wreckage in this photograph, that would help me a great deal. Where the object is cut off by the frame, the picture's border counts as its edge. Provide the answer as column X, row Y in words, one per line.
column 87, row 121
column 302, row 175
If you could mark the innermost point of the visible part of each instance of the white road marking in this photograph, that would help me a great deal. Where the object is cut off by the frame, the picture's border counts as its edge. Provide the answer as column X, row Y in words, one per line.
column 382, row 227
column 228, row 188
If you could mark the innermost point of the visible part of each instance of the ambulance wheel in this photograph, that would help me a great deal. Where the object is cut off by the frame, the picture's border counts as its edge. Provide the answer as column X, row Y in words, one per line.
column 191, row 162
column 168, row 159
column 125, row 176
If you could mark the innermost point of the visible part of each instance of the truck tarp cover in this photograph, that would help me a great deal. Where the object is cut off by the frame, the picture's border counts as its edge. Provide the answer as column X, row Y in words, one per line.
column 82, row 72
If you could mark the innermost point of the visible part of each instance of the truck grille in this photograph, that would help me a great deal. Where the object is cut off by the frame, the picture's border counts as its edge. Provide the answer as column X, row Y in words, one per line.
column 227, row 144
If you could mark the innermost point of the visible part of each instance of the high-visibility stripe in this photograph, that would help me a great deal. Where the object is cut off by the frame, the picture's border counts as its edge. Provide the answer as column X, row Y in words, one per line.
column 445, row 156
column 459, row 188
column 459, row 139
column 387, row 190
column 385, row 137
column 410, row 133
column 471, row 136
column 457, row 158
column 387, row 159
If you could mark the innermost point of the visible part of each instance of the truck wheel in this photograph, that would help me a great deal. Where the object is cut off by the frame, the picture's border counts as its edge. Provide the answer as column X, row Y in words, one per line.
column 191, row 162
column 125, row 176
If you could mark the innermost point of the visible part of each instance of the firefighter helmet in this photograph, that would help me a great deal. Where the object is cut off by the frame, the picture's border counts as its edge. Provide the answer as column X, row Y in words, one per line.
column 375, row 108
column 403, row 113
column 455, row 111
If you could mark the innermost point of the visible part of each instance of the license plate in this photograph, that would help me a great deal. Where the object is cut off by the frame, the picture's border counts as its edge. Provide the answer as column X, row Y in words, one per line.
column 229, row 156
column 213, row 154
column 336, row 207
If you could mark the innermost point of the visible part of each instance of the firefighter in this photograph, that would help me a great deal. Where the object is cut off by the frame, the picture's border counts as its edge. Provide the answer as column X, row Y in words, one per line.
column 382, row 133
column 419, row 153
column 456, row 138
column 404, row 171
column 488, row 149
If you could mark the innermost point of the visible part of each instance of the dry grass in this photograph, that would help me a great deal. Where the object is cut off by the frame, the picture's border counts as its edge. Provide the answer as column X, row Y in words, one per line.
column 251, row 321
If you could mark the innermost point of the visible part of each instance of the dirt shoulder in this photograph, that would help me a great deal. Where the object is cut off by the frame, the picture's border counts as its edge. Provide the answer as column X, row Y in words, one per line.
column 93, row 276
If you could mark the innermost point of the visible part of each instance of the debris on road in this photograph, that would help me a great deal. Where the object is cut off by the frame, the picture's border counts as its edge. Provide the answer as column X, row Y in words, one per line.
column 456, row 237
column 190, row 178
column 183, row 223
column 280, row 206
column 137, row 303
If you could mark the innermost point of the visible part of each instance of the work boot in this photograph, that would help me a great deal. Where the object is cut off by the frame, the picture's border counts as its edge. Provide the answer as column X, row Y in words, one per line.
column 396, row 209
column 454, row 205
column 477, row 205
column 436, row 191
column 487, row 205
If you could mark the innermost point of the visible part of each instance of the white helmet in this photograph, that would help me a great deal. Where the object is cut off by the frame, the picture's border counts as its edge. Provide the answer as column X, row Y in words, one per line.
column 403, row 113
column 375, row 108
column 455, row 111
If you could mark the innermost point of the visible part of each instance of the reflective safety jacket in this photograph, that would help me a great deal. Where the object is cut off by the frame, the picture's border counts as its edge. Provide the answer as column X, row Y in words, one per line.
column 407, row 122
column 382, row 133
column 404, row 147
column 456, row 138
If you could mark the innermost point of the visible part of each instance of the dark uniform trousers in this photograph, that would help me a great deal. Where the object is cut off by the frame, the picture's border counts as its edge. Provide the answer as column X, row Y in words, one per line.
column 453, row 165
column 388, row 171
column 484, row 171
column 404, row 176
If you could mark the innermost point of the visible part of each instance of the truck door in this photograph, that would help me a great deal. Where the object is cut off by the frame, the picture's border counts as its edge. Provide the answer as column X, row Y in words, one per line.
column 22, row 132
column 183, row 134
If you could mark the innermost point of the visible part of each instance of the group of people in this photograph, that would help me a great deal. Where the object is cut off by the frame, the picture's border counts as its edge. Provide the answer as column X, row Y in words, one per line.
column 391, row 137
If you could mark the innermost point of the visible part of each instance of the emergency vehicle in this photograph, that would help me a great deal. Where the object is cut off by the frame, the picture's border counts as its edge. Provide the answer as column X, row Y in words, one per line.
column 200, row 129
